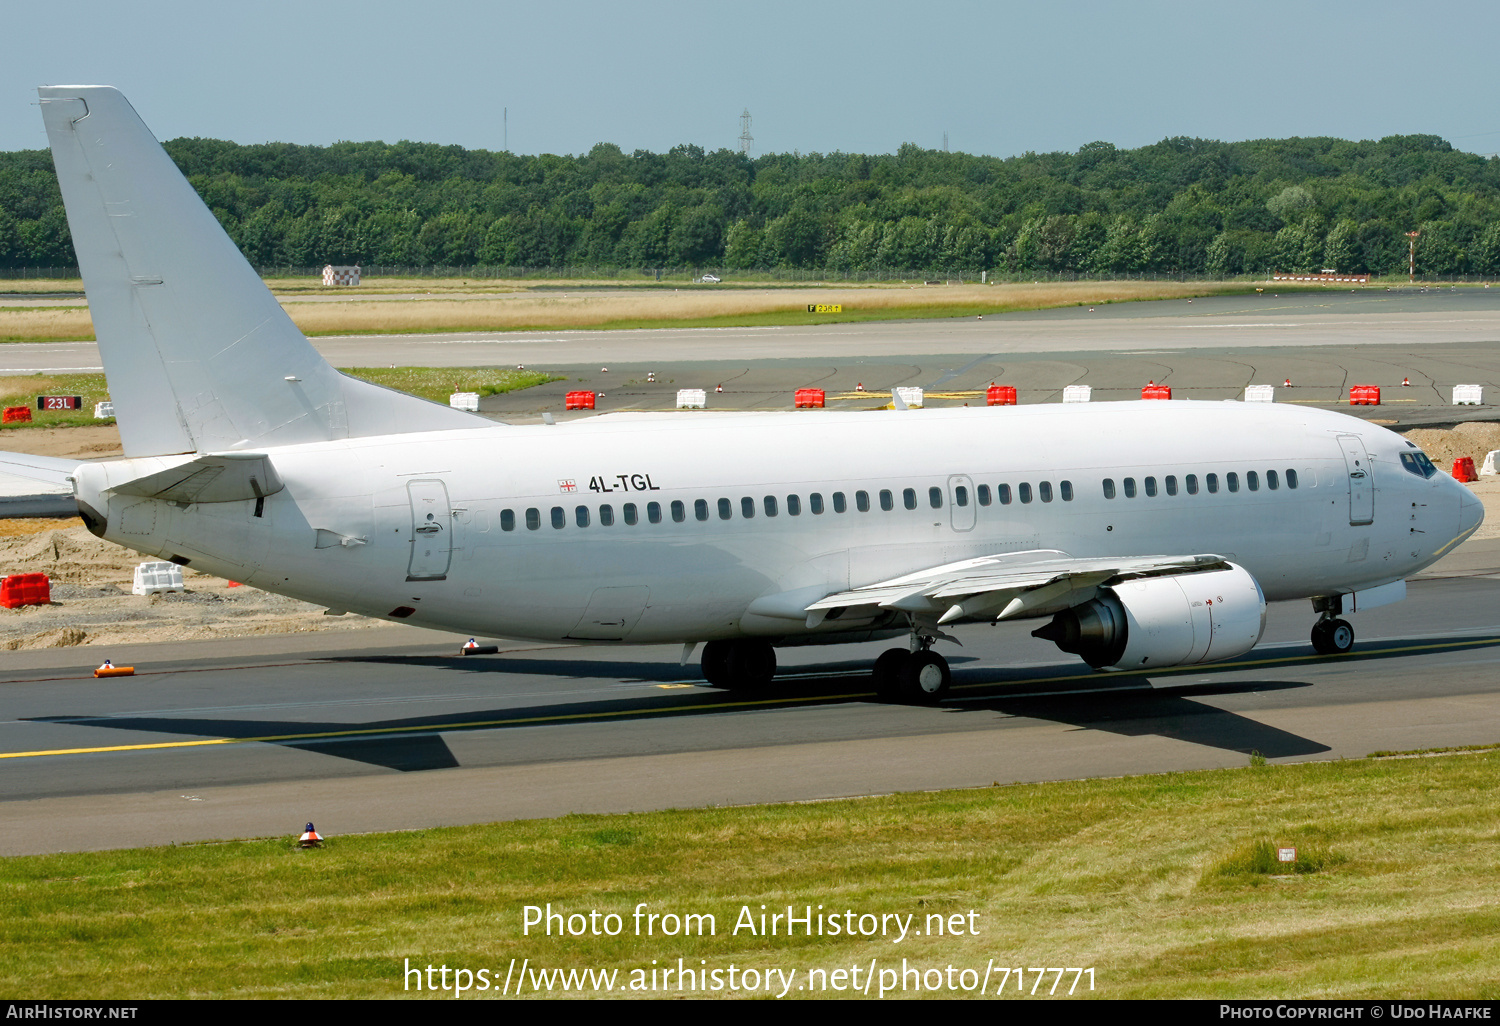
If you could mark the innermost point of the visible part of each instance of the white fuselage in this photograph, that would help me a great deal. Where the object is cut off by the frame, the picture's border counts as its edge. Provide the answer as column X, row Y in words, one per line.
column 432, row 528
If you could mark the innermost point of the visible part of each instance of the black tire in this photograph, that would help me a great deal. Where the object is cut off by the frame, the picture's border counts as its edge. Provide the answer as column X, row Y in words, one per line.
column 887, row 672
column 925, row 678
column 751, row 664
column 715, row 663
column 1332, row 637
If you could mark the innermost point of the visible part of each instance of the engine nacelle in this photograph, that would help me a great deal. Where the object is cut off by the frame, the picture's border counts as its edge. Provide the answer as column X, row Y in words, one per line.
column 1176, row 620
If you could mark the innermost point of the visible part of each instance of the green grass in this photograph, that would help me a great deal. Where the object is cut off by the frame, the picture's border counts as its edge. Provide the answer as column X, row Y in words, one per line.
column 1156, row 882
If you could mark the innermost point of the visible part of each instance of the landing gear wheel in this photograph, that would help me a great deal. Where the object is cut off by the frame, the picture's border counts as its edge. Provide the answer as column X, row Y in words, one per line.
column 887, row 672
column 1332, row 637
column 715, row 663
column 924, row 678
column 750, row 664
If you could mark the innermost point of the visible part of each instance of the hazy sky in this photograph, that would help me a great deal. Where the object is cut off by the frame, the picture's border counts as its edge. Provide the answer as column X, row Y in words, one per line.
column 1000, row 78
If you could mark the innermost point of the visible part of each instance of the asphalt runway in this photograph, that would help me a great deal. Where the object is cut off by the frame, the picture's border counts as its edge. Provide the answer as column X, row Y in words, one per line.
column 392, row 729
column 389, row 729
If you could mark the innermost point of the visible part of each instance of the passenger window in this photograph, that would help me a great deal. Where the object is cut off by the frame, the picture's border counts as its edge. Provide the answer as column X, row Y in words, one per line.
column 1130, row 488
column 1066, row 488
column 1192, row 484
column 961, row 496
column 794, row 505
column 1151, row 487
column 1232, row 481
column 887, row 500
column 653, row 512
column 1272, row 482
column 815, row 504
column 1025, row 491
column 533, row 519
column 1291, row 478
column 982, row 493
column 1109, row 488
column 1044, row 490
column 606, row 516
column 747, row 507
column 909, row 498
column 1004, row 491
column 862, row 501
column 770, row 504
column 726, row 509
column 1171, row 483
column 630, row 514
column 700, row 509
column 507, row 520
column 679, row 511
column 559, row 517
column 839, row 502
column 1213, row 483
column 581, row 514
column 1252, row 481
column 935, row 497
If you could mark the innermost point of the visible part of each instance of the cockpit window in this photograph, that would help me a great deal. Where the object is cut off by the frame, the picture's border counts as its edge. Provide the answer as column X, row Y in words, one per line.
column 1418, row 463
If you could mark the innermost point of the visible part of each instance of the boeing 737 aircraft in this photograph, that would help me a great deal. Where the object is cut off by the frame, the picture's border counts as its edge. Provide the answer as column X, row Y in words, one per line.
column 1146, row 534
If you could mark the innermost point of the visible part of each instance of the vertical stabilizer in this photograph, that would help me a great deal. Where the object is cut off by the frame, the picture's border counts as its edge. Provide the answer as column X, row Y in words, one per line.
column 199, row 355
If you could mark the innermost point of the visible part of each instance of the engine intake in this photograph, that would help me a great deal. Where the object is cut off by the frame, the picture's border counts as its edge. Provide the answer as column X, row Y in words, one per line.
column 1175, row 620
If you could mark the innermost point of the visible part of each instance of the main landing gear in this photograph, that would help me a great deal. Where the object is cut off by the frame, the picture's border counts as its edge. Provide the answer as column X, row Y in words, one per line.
column 920, row 677
column 1332, row 636
column 741, row 664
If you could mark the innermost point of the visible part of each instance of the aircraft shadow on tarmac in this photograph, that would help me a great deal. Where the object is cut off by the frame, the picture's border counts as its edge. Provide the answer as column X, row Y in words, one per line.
column 1128, row 704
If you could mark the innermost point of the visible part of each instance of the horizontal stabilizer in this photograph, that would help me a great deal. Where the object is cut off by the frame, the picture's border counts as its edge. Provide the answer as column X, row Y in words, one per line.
column 216, row 477
column 53, row 471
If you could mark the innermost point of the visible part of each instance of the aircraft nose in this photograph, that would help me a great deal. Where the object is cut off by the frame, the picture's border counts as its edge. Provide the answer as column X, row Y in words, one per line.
column 1470, row 511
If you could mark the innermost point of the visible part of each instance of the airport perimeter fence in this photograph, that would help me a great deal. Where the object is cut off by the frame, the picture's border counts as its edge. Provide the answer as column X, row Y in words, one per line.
column 825, row 275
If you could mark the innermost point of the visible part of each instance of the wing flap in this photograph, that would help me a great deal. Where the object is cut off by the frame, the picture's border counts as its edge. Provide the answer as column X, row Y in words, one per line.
column 1009, row 586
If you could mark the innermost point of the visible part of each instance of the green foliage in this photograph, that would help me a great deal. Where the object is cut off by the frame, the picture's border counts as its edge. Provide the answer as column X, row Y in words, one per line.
column 1258, row 859
column 1181, row 205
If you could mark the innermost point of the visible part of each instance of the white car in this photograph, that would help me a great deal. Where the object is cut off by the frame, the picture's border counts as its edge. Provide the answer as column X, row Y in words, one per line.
column 710, row 279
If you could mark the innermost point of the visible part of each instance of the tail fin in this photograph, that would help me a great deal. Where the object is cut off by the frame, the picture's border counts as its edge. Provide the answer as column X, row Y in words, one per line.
column 199, row 355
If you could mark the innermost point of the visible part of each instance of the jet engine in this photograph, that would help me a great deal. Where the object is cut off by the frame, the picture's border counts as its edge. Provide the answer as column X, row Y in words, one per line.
column 1173, row 620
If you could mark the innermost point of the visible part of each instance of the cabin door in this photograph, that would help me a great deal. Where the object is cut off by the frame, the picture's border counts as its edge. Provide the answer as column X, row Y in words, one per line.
column 1361, row 480
column 431, row 531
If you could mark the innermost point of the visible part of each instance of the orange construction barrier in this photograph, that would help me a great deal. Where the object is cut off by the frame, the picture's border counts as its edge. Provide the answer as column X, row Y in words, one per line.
column 579, row 401
column 16, row 415
column 1463, row 469
column 19, row 590
column 1000, row 395
column 809, row 399
column 1155, row 391
column 1364, row 395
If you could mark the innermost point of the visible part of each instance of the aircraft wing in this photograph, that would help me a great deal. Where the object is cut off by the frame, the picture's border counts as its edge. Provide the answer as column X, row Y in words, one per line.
column 1001, row 587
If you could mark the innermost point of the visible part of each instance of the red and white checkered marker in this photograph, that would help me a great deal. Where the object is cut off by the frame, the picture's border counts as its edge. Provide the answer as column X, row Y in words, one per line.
column 310, row 838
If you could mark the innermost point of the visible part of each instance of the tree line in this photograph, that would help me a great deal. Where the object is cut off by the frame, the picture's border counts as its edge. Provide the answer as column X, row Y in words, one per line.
column 1179, row 206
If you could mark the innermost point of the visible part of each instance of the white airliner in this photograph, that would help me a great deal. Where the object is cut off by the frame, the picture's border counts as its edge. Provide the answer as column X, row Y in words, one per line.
column 1152, row 534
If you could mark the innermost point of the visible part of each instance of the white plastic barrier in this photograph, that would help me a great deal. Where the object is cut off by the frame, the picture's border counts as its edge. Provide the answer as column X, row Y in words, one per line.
column 151, row 578
column 1468, row 395
column 103, row 410
column 464, row 401
column 1077, row 393
column 692, row 398
column 1260, row 393
column 1490, row 460
column 911, row 395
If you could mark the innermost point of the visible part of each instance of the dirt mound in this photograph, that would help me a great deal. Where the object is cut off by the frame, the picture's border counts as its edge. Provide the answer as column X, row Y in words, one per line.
column 1444, row 445
column 71, row 555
